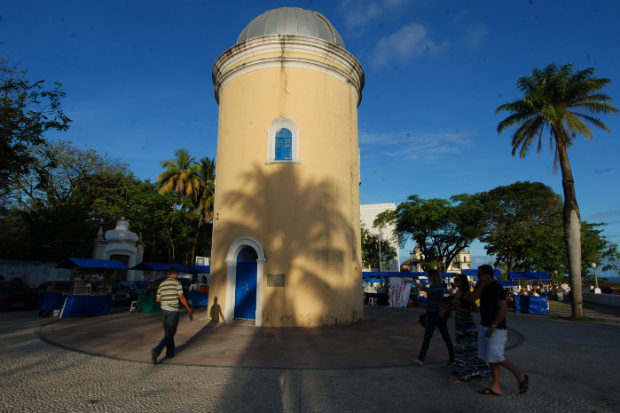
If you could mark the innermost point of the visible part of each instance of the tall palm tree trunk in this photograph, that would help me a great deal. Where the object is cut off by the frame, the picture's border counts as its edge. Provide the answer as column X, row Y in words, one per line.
column 572, row 228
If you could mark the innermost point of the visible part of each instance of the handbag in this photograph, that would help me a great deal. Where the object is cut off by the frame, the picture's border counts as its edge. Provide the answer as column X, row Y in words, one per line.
column 422, row 320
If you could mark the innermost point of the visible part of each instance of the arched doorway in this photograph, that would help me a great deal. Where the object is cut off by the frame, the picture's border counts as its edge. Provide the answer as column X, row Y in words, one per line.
column 247, row 253
column 245, row 284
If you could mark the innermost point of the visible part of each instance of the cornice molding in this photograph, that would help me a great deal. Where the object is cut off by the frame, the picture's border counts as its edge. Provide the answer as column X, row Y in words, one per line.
column 246, row 57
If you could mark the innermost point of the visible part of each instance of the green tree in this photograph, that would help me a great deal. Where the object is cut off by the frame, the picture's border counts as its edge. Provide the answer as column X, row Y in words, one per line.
column 27, row 111
column 371, row 256
column 160, row 221
column 441, row 228
column 204, row 197
column 514, row 214
column 547, row 252
column 560, row 100
column 195, row 185
column 57, row 206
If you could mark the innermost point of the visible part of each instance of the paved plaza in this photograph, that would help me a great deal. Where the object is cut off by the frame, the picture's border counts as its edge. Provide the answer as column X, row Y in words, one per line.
column 102, row 364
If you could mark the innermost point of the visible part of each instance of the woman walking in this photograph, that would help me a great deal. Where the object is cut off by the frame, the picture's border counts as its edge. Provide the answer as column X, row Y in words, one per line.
column 436, row 316
column 467, row 365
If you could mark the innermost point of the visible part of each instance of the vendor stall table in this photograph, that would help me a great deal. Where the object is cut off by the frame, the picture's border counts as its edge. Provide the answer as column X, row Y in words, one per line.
column 86, row 305
column 49, row 301
column 530, row 304
column 198, row 299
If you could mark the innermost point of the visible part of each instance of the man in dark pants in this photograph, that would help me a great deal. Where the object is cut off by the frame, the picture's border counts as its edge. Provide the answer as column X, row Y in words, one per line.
column 493, row 333
column 169, row 293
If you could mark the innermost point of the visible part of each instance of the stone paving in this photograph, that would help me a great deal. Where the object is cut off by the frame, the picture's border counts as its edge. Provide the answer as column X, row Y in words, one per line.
column 573, row 367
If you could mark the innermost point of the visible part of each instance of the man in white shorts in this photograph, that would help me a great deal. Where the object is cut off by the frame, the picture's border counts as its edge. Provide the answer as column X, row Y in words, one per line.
column 493, row 333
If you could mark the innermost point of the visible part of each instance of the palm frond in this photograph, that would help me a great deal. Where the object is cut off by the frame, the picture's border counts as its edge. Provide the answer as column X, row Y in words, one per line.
column 548, row 96
column 595, row 121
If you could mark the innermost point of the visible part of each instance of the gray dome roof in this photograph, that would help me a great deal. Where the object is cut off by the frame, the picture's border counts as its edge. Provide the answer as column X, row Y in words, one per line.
column 292, row 20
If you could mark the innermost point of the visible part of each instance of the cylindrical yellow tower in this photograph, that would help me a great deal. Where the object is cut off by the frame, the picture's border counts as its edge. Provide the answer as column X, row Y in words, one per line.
column 286, row 232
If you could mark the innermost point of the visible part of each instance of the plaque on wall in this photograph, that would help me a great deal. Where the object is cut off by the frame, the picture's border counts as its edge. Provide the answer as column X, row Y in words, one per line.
column 275, row 280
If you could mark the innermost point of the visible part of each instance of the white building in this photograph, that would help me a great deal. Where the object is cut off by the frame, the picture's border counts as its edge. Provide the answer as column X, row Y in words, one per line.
column 122, row 245
column 368, row 213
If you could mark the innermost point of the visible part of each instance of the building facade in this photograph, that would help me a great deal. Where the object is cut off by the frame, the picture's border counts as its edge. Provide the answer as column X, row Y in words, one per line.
column 122, row 245
column 461, row 262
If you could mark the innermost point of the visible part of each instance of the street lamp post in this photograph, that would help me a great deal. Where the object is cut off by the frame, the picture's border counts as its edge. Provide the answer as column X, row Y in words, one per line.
column 380, row 251
column 596, row 289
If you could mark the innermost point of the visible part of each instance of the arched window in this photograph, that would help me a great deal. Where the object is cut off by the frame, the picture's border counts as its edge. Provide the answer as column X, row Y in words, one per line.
column 284, row 145
column 283, row 141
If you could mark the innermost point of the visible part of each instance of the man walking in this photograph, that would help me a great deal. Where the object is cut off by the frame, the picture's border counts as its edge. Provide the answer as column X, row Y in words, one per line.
column 169, row 293
column 493, row 334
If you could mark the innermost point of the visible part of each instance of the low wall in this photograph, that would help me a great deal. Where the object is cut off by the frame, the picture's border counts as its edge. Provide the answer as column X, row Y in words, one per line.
column 34, row 273
column 611, row 300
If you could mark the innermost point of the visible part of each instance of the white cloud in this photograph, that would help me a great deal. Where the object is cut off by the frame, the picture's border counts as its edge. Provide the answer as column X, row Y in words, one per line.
column 409, row 41
column 358, row 13
column 417, row 146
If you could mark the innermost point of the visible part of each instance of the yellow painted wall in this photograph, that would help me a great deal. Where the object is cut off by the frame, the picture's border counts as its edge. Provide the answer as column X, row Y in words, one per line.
column 305, row 215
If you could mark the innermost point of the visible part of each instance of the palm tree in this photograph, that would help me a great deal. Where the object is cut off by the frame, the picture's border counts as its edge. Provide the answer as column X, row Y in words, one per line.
column 204, row 195
column 180, row 175
column 204, row 199
column 560, row 100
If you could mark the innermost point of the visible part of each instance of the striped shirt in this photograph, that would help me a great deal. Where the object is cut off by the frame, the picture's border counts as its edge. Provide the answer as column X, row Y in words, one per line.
column 169, row 291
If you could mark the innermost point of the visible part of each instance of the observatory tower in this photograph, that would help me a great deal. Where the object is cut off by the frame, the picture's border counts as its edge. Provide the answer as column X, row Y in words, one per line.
column 286, row 231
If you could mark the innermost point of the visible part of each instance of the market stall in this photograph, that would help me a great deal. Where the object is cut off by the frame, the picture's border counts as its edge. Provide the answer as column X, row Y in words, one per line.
column 198, row 297
column 528, row 303
column 395, row 292
column 91, row 294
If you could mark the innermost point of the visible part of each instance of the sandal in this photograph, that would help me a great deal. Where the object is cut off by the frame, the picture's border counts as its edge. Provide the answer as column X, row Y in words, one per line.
column 417, row 361
column 488, row 391
column 524, row 384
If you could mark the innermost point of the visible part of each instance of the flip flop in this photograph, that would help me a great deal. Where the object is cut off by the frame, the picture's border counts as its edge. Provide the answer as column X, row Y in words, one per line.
column 488, row 391
column 524, row 384
column 417, row 362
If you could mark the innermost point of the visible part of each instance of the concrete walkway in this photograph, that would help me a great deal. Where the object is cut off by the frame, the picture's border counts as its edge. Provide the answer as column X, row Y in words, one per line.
column 102, row 364
column 131, row 336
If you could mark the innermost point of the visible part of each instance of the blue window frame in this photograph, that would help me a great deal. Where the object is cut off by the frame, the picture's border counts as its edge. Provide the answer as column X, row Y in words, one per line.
column 284, row 145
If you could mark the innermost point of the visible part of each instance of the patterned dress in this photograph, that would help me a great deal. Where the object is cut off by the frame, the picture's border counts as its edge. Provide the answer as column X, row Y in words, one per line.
column 467, row 365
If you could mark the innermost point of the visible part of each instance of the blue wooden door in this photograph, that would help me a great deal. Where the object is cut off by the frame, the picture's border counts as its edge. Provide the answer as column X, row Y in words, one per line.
column 245, row 287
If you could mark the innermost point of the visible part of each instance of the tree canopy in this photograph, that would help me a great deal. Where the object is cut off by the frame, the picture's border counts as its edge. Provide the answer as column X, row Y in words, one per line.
column 27, row 111
column 374, row 255
column 441, row 228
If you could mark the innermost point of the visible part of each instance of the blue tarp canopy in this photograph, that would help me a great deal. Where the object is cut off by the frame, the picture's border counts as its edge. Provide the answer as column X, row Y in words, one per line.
column 203, row 269
column 164, row 267
column 91, row 264
column 529, row 276
column 505, row 283
column 368, row 274
column 474, row 273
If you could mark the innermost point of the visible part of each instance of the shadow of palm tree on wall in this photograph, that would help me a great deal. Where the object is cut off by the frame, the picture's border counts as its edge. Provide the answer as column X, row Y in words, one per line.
column 305, row 235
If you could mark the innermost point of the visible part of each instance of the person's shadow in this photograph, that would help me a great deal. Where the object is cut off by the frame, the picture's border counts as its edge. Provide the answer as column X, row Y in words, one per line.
column 216, row 312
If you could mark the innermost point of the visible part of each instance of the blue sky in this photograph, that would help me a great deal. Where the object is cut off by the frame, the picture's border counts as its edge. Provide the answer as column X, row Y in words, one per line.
column 138, row 80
